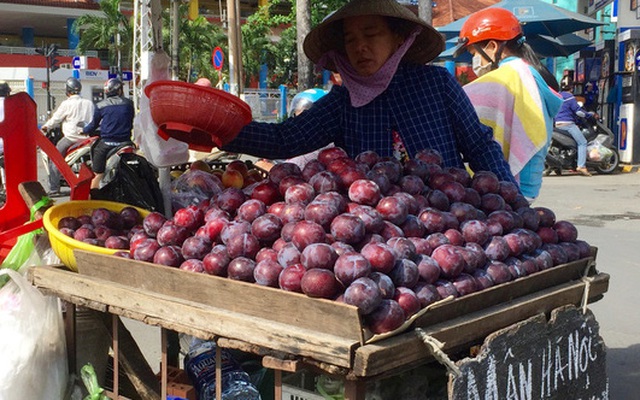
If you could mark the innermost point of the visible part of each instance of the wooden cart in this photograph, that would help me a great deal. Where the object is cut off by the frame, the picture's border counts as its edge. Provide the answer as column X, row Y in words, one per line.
column 290, row 330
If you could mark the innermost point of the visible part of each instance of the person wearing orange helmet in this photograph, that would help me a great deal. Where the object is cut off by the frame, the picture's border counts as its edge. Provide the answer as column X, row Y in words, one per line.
column 511, row 94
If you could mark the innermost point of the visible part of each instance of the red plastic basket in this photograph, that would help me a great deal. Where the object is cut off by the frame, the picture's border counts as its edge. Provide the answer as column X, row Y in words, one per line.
column 201, row 116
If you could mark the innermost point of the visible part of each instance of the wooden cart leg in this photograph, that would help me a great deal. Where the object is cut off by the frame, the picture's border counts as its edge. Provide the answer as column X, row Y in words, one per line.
column 70, row 331
column 218, row 373
column 277, row 384
column 133, row 362
column 116, row 358
column 354, row 390
column 163, row 364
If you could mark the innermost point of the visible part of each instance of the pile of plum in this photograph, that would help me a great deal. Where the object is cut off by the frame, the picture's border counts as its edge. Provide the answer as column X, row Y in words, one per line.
column 103, row 227
column 387, row 237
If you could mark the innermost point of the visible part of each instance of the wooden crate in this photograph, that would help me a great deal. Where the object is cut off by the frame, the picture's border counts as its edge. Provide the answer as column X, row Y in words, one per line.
column 328, row 333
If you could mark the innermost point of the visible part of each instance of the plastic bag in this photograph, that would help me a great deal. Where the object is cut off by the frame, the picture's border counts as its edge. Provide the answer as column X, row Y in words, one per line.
column 90, row 381
column 135, row 183
column 192, row 187
column 159, row 152
column 33, row 364
column 598, row 152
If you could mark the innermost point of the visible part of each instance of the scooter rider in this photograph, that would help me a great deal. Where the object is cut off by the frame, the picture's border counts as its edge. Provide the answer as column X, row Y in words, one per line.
column 566, row 120
column 72, row 115
column 511, row 94
column 114, row 116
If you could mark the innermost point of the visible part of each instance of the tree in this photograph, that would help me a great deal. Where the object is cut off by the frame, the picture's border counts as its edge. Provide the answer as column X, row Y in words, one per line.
column 258, row 48
column 111, row 31
column 197, row 40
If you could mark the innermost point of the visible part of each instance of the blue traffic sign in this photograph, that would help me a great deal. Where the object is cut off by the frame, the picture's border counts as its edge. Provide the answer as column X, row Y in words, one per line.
column 217, row 58
column 75, row 62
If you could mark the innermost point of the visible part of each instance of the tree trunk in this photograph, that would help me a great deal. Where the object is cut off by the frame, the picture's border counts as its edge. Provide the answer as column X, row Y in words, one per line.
column 424, row 10
column 303, row 22
column 235, row 49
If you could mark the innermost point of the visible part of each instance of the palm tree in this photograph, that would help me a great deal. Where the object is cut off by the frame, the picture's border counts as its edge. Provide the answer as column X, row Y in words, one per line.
column 111, row 31
column 197, row 40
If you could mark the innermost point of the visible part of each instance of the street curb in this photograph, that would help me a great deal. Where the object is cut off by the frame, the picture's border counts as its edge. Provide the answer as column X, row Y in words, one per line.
column 630, row 168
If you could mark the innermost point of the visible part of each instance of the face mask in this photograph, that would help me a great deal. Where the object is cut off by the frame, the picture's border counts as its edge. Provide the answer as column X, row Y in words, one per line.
column 476, row 65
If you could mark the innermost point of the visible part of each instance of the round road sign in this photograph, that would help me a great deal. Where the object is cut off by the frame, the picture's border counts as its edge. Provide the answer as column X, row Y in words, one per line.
column 217, row 58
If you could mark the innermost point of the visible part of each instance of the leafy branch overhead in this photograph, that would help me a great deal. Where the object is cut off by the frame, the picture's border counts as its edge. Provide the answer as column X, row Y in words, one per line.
column 269, row 37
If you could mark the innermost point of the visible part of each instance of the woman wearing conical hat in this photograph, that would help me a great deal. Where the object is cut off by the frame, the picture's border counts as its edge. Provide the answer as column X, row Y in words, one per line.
column 390, row 101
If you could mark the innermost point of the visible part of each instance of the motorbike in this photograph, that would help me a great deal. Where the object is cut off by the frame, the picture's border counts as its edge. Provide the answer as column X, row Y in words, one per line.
column 602, row 154
column 80, row 153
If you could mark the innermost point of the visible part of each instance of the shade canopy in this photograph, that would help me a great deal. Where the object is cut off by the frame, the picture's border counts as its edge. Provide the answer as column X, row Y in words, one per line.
column 565, row 45
column 537, row 18
column 544, row 46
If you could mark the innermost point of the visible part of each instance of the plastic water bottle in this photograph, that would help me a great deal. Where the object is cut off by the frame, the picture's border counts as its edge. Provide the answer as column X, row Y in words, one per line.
column 200, row 364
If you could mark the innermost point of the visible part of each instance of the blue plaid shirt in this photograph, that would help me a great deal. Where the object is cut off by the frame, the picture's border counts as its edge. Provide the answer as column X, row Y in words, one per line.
column 424, row 104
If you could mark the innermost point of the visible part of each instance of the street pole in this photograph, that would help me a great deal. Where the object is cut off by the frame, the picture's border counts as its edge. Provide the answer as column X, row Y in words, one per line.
column 175, row 33
column 119, row 46
column 48, row 62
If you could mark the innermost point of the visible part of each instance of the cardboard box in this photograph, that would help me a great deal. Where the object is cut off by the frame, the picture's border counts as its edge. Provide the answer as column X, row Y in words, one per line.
column 181, row 390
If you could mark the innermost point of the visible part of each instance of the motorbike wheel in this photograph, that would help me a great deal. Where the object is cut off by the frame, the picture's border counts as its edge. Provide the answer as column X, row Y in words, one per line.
column 548, row 170
column 75, row 167
column 611, row 166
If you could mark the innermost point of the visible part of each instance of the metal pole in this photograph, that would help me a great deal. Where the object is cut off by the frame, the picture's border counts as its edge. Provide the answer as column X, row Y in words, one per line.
column 119, row 43
column 175, row 33
column 239, row 50
column 47, row 57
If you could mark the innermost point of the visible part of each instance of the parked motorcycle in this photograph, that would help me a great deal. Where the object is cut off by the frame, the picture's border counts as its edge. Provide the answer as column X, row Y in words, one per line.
column 602, row 154
column 80, row 153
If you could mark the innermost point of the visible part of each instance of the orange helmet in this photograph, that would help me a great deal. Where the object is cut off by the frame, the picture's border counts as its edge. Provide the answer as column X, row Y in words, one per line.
column 492, row 23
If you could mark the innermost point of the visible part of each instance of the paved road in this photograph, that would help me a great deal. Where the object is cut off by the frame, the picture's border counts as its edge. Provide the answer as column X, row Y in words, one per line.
column 606, row 210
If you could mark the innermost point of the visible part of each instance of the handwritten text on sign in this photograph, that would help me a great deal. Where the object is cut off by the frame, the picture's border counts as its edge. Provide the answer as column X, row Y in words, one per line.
column 561, row 359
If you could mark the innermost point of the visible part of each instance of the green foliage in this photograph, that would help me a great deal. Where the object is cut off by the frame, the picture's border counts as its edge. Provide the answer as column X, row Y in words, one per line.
column 280, row 56
column 101, row 32
column 197, row 40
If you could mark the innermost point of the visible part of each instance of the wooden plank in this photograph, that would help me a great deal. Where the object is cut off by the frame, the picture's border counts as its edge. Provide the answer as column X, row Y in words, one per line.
column 189, row 317
column 506, row 292
column 280, row 364
column 295, row 309
column 406, row 349
column 32, row 192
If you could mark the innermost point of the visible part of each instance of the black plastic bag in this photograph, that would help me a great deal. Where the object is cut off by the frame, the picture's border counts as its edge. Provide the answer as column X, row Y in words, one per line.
column 135, row 183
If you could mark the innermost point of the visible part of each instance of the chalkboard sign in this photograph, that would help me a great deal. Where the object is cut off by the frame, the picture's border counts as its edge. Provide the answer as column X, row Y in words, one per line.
column 564, row 358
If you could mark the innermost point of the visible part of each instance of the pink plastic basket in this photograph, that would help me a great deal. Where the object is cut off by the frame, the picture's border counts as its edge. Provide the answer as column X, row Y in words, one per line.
column 201, row 116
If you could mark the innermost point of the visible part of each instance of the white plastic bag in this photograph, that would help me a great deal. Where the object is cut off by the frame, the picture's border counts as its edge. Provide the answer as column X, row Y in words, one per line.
column 159, row 152
column 596, row 151
column 33, row 364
